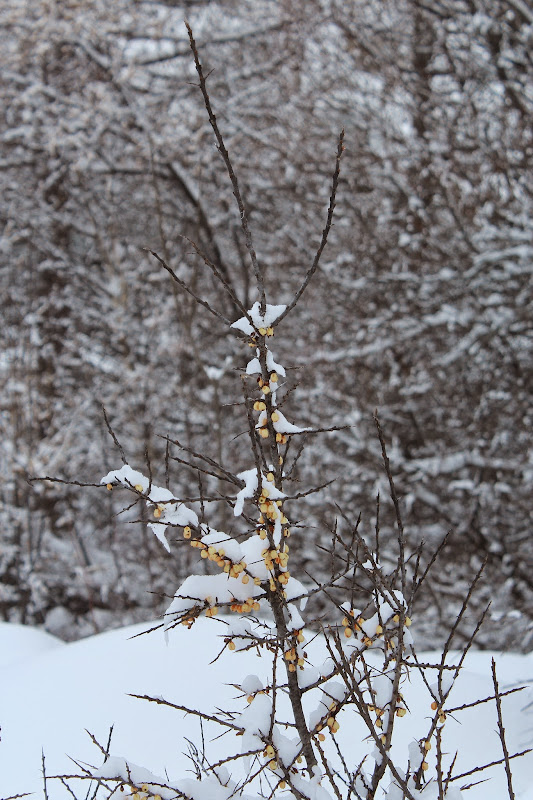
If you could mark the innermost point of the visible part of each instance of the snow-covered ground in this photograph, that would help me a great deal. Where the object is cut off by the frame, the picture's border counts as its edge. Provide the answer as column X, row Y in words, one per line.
column 51, row 692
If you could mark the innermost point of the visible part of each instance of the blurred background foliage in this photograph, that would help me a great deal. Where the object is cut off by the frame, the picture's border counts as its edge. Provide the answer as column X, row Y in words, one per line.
column 422, row 306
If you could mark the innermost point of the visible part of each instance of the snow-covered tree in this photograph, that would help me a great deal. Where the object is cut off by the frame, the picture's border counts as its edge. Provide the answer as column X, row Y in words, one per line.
column 358, row 662
column 422, row 306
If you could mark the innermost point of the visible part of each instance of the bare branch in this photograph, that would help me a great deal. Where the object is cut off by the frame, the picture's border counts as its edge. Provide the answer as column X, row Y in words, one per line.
column 187, row 288
column 325, row 233
column 229, row 167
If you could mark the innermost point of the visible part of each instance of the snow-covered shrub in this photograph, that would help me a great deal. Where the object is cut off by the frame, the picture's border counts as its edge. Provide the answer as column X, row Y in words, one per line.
column 290, row 727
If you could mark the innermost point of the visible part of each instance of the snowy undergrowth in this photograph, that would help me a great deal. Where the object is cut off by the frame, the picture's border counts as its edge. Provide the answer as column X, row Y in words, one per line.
column 50, row 692
column 329, row 719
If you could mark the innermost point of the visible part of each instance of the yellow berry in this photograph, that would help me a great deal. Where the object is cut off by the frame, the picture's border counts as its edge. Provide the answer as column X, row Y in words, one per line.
column 434, row 705
column 262, row 331
column 275, row 416
column 138, row 488
column 157, row 512
column 401, row 712
column 265, row 389
column 270, row 477
column 187, row 532
column 425, row 765
column 109, row 487
column 408, row 622
column 263, row 433
column 427, row 746
column 348, row 632
column 321, row 737
column 274, row 377
column 231, row 645
column 270, row 332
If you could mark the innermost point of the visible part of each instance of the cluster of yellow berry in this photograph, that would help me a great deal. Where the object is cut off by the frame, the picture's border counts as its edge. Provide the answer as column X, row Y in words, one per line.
column 441, row 715
column 270, row 753
column 262, row 332
column 352, row 625
column 273, row 763
column 294, row 655
column 329, row 720
column 425, row 747
column 143, row 793
column 244, row 608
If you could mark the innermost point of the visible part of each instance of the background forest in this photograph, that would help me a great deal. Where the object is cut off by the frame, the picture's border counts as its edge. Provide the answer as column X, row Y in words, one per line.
column 422, row 307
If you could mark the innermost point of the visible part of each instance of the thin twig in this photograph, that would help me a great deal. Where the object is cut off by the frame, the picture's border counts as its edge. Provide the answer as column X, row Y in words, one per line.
column 45, row 786
column 325, row 233
column 187, row 288
column 396, row 503
column 231, row 173
column 112, row 434
column 501, row 731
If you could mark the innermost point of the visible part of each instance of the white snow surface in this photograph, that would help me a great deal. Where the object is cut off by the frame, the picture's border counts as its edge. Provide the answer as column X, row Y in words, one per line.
column 50, row 692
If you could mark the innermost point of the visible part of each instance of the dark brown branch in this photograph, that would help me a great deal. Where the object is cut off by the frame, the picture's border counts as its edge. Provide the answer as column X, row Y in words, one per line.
column 325, row 233
column 187, row 288
column 501, row 731
column 113, row 436
column 396, row 503
column 229, row 167
column 194, row 712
